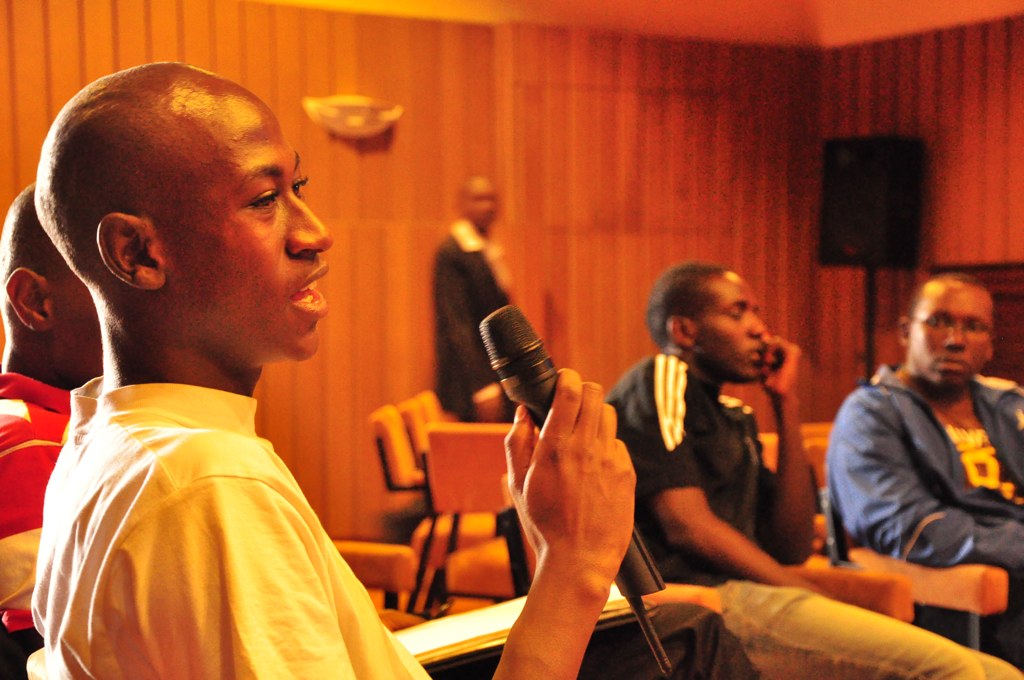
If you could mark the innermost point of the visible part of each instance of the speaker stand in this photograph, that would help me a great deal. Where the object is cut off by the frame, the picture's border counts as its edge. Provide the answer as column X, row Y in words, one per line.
column 870, row 312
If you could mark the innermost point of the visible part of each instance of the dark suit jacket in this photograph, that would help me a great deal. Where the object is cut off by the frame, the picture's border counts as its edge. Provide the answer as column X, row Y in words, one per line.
column 465, row 291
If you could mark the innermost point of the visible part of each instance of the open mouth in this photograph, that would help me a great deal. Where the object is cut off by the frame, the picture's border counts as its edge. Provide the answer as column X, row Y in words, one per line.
column 307, row 295
column 310, row 298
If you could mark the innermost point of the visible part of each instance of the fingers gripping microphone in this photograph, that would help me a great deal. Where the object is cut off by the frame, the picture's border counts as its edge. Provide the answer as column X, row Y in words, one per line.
column 528, row 377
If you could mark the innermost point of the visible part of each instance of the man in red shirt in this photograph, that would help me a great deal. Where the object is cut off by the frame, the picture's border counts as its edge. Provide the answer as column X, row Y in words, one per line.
column 52, row 345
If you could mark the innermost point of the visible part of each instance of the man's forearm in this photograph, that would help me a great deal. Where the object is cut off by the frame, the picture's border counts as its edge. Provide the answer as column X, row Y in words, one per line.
column 790, row 530
column 691, row 528
column 738, row 557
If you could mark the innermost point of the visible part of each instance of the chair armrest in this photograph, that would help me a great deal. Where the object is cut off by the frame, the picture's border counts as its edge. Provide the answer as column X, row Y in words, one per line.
column 384, row 566
column 977, row 588
column 885, row 593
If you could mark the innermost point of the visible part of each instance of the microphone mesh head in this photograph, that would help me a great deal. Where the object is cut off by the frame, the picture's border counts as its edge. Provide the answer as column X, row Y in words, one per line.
column 507, row 334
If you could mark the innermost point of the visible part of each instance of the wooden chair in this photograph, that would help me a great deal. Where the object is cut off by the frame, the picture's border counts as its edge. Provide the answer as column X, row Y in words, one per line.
column 950, row 601
column 403, row 472
column 384, row 567
column 397, row 457
column 430, row 537
column 431, row 406
column 464, row 464
column 388, row 572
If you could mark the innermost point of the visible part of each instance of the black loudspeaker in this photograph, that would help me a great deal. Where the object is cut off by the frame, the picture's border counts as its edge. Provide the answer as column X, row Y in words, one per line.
column 871, row 205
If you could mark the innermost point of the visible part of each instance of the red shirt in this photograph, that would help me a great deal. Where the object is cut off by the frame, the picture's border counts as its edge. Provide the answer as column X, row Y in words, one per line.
column 33, row 427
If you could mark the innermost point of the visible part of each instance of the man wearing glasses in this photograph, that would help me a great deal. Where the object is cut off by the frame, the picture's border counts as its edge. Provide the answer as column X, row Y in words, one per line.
column 926, row 463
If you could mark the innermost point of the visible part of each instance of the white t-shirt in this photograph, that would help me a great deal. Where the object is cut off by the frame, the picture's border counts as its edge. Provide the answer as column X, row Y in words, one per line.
column 176, row 544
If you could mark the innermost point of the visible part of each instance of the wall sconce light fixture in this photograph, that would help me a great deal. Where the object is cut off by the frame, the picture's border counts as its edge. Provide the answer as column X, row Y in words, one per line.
column 352, row 116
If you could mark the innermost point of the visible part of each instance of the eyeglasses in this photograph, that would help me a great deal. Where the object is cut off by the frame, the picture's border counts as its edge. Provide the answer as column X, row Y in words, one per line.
column 944, row 323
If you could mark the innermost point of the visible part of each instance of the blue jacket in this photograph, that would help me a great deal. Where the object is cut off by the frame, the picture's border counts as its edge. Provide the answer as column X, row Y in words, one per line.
column 898, row 482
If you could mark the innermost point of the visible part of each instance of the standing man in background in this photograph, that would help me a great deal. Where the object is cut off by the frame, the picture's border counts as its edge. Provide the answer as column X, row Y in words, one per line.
column 52, row 345
column 470, row 282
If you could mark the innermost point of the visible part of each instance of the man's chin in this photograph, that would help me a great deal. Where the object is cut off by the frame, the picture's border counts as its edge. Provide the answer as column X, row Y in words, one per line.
column 309, row 348
column 744, row 378
column 304, row 348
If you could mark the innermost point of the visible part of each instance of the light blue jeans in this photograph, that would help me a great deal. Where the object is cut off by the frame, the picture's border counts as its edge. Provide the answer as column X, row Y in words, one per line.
column 791, row 633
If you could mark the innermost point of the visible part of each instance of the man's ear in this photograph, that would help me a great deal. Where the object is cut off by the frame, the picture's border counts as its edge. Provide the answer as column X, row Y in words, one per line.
column 29, row 295
column 904, row 329
column 131, row 251
column 682, row 331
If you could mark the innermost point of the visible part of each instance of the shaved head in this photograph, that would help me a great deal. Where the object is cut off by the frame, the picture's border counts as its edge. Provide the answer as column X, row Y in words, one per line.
column 25, row 244
column 52, row 334
column 478, row 202
column 130, row 143
column 173, row 194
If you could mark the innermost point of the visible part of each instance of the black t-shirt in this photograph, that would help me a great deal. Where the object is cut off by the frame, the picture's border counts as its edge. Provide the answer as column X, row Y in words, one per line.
column 704, row 440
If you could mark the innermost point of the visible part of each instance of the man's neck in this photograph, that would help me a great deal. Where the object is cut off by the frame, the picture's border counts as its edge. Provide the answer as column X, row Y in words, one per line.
column 940, row 396
column 31, row 367
column 179, row 369
column 693, row 368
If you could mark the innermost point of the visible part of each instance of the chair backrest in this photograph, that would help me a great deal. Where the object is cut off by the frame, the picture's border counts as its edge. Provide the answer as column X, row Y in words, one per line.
column 821, row 429
column 465, row 464
column 433, row 412
column 415, row 420
column 397, row 458
column 769, row 449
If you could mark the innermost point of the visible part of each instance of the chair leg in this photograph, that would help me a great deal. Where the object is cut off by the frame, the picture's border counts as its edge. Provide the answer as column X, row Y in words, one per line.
column 421, row 568
column 959, row 626
column 973, row 631
column 438, row 591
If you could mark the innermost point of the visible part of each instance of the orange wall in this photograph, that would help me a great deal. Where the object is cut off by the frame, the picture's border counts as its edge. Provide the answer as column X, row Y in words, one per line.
column 617, row 155
column 962, row 91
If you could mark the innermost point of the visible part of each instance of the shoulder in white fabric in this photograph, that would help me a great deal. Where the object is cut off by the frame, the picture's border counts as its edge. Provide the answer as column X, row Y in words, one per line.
column 733, row 402
column 467, row 236
column 669, row 397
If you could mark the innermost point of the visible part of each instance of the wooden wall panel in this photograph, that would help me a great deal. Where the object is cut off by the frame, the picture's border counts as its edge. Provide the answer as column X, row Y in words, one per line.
column 639, row 153
column 387, row 203
column 30, row 110
column 9, row 184
column 616, row 155
column 960, row 91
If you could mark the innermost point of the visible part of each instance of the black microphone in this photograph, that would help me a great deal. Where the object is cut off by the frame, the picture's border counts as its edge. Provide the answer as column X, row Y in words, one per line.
column 528, row 377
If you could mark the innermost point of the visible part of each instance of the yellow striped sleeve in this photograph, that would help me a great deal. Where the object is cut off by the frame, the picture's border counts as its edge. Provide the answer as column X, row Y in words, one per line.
column 669, row 397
